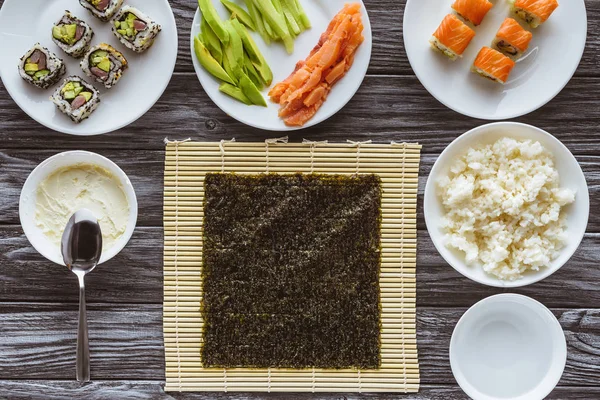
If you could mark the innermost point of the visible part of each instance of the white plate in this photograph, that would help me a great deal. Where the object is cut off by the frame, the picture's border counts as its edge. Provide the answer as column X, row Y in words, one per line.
column 27, row 202
column 24, row 23
column 571, row 177
column 548, row 65
column 320, row 13
column 508, row 346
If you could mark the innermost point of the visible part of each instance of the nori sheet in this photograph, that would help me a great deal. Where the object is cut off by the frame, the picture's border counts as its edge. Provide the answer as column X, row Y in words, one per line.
column 291, row 271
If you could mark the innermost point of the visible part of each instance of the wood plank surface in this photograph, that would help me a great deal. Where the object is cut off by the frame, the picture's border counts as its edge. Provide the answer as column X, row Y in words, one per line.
column 38, row 300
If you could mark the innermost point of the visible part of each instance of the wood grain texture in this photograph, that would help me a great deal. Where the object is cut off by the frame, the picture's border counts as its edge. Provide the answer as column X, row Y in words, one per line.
column 384, row 109
column 126, row 342
column 38, row 300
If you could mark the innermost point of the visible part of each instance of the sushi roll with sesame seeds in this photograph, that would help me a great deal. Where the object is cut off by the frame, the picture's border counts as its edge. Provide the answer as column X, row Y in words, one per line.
column 104, row 10
column 40, row 67
column 104, row 64
column 72, row 35
column 135, row 29
column 76, row 98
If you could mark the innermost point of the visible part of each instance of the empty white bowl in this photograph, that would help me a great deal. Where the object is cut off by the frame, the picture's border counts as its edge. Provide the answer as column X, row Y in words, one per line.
column 571, row 177
column 508, row 346
column 27, row 202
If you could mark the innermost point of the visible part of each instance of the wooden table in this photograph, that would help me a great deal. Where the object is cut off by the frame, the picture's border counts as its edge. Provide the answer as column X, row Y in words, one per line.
column 38, row 310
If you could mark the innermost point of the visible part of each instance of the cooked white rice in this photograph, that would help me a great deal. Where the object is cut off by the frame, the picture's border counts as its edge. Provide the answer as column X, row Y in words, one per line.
column 503, row 207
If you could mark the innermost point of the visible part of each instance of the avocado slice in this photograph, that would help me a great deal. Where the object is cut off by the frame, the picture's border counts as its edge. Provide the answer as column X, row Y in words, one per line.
column 208, row 62
column 117, row 24
column 131, row 17
column 234, row 92
column 57, row 32
column 87, row 96
column 239, row 13
column 100, row 53
column 78, row 90
column 41, row 74
column 104, row 65
column 70, row 86
column 70, row 31
column 69, row 95
column 31, row 67
column 212, row 18
column 254, row 53
column 251, row 91
column 211, row 41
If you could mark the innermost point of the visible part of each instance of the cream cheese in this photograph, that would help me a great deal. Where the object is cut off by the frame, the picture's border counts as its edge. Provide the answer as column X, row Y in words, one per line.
column 78, row 186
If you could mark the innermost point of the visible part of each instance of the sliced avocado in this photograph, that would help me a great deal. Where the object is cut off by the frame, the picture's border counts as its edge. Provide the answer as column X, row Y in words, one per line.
column 251, row 91
column 70, row 31
column 239, row 13
column 76, row 84
column 68, row 87
column 211, row 41
column 41, row 74
column 208, row 62
column 87, row 96
column 254, row 53
column 30, row 73
column 125, row 25
column 131, row 17
column 69, row 95
column 28, row 61
column 31, row 67
column 122, row 32
column 100, row 53
column 104, row 65
column 130, row 32
column 234, row 92
column 57, row 32
column 78, row 90
column 117, row 24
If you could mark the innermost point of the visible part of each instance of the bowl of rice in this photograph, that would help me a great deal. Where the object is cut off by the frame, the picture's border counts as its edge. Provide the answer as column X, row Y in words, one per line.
column 506, row 204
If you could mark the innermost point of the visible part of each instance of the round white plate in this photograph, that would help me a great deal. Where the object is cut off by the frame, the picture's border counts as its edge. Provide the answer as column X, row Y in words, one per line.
column 27, row 202
column 548, row 65
column 571, row 177
column 320, row 13
column 24, row 23
column 508, row 346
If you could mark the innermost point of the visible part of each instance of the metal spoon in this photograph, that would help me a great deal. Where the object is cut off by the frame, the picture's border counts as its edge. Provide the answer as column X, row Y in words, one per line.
column 81, row 250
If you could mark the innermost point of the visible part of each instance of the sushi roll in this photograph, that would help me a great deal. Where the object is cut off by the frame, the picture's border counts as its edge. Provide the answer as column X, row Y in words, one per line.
column 40, row 67
column 104, row 64
column 534, row 12
column 472, row 10
column 104, row 10
column 493, row 65
column 72, row 35
column 452, row 37
column 512, row 40
column 76, row 98
column 135, row 29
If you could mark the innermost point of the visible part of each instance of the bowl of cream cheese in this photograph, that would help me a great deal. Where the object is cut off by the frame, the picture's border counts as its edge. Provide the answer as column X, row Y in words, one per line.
column 70, row 181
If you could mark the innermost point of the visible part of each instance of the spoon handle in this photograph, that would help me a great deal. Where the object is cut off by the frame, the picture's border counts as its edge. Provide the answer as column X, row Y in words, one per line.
column 83, row 350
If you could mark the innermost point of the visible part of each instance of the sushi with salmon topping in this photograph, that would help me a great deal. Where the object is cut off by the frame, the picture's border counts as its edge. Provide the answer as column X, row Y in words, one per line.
column 472, row 10
column 512, row 40
column 534, row 12
column 452, row 37
column 493, row 65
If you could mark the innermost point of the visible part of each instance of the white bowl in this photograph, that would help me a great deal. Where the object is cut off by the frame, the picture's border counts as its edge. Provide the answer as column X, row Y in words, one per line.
column 508, row 346
column 320, row 14
column 27, row 202
column 571, row 177
column 543, row 71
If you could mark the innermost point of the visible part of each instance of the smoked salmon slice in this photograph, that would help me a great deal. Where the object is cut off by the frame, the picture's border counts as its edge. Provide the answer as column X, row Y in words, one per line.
column 493, row 65
column 452, row 37
column 472, row 10
column 512, row 39
column 303, row 93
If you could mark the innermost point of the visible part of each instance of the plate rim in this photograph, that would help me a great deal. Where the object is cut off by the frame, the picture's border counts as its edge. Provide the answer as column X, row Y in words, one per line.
column 74, row 132
column 506, row 116
column 284, row 128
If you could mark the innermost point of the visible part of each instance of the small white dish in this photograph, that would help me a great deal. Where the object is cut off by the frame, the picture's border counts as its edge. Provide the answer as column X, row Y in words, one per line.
column 508, row 347
column 25, row 23
column 571, row 177
column 320, row 13
column 550, row 62
column 27, row 202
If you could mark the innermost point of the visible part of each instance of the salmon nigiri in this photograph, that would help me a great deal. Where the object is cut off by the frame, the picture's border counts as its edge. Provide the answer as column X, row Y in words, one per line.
column 472, row 10
column 493, row 65
column 534, row 12
column 452, row 37
column 512, row 39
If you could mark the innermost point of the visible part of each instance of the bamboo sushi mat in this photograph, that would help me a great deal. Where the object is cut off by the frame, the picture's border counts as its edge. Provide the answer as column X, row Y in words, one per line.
column 186, row 165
